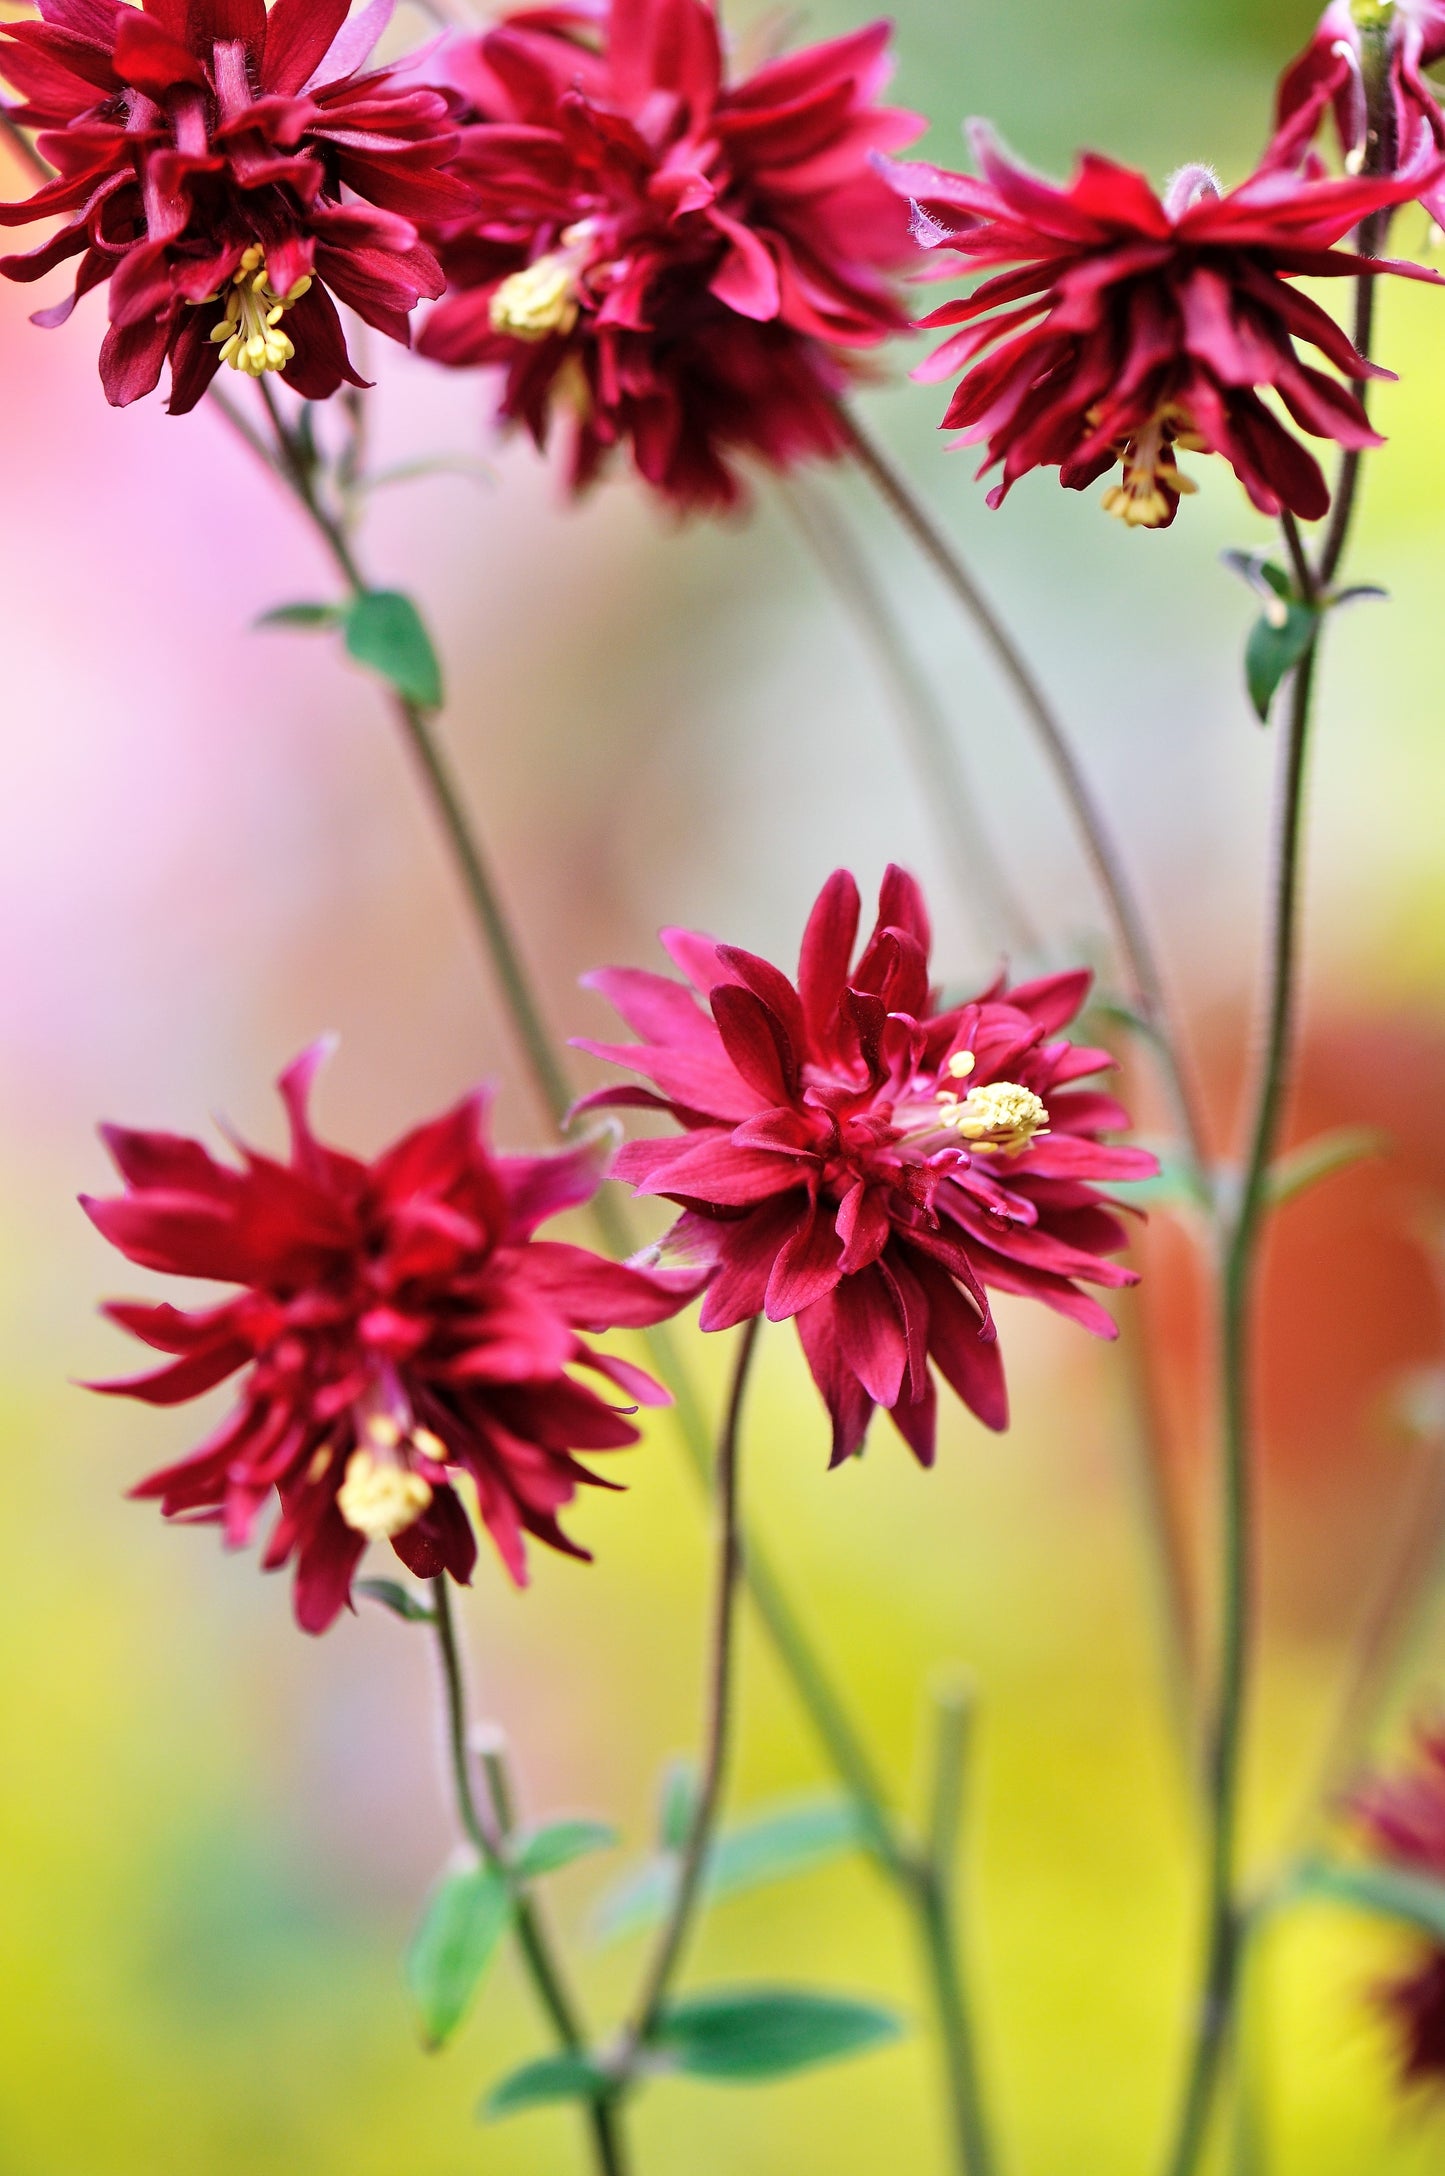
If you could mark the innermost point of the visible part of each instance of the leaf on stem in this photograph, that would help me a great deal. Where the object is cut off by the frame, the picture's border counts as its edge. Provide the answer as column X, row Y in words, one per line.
column 677, row 1805
column 385, row 633
column 558, row 1844
column 398, row 1599
column 464, row 1920
column 303, row 615
column 1414, row 1899
column 788, row 1838
column 1321, row 1158
column 550, row 2078
column 739, row 2034
column 1277, row 641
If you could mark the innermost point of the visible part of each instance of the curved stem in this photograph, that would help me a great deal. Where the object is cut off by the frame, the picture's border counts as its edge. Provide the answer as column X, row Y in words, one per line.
column 1103, row 854
column 672, row 1941
column 937, row 760
column 542, row 1967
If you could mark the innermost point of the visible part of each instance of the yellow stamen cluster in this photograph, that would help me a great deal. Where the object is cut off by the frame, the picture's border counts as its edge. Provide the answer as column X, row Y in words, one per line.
column 250, row 335
column 1001, row 1118
column 538, row 301
column 1153, row 479
column 379, row 1498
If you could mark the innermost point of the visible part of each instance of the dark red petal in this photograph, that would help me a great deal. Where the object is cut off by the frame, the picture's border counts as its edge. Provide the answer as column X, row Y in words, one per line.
column 298, row 36
column 807, row 1266
column 827, row 951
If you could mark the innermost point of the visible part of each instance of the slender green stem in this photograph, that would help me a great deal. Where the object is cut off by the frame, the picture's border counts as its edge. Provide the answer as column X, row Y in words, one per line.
column 938, row 762
column 667, row 1956
column 937, row 1915
column 542, row 1966
column 1130, row 927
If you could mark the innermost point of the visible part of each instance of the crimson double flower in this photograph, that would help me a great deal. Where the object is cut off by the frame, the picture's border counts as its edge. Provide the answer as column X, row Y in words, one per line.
column 228, row 172
column 664, row 259
column 860, row 1159
column 1331, row 77
column 400, row 1325
column 1119, row 326
column 1402, row 1818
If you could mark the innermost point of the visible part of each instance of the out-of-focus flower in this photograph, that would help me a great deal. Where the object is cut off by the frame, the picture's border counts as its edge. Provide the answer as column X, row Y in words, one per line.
column 857, row 1158
column 400, row 1325
column 1126, row 326
column 1402, row 40
column 228, row 171
column 1403, row 1821
column 673, row 262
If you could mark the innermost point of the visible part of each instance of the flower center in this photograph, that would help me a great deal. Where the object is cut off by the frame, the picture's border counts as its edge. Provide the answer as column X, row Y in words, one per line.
column 539, row 300
column 1153, row 483
column 1371, row 14
column 379, row 1497
column 250, row 335
column 1001, row 1118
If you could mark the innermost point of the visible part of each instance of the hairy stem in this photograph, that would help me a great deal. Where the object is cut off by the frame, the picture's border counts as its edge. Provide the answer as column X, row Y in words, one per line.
column 1131, row 931
column 672, row 1941
column 543, row 1970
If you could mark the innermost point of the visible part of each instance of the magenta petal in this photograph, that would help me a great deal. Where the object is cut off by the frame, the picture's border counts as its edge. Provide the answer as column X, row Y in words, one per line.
column 807, row 1266
column 872, row 1335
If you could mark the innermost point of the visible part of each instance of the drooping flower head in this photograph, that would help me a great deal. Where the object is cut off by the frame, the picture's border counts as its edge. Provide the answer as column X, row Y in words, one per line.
column 868, row 1162
column 1331, row 76
column 399, row 1325
column 1402, row 1818
column 1119, row 326
column 668, row 260
column 228, row 172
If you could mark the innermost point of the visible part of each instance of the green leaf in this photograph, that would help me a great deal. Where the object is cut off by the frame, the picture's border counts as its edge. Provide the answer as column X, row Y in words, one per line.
column 742, row 2033
column 1277, row 642
column 550, row 2078
column 394, row 1596
column 677, row 1804
column 1259, row 573
column 792, row 1837
column 451, row 1949
column 303, row 615
column 1414, row 1899
column 559, row 1843
column 384, row 632
column 1328, row 1153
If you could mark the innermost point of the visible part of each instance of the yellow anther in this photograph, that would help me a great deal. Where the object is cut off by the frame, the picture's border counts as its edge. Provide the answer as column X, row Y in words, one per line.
column 961, row 1064
column 430, row 1446
column 249, row 334
column 541, row 300
column 379, row 1498
column 384, row 1430
column 1153, row 480
column 1001, row 1117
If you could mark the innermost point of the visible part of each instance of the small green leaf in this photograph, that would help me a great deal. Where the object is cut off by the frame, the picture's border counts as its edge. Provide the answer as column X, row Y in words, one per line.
column 742, row 2033
column 550, row 2078
column 459, row 1932
column 792, row 1837
column 303, row 615
column 559, row 1843
column 676, row 1805
column 385, row 632
column 1259, row 573
column 1277, row 642
column 394, row 1596
column 1328, row 1153
column 1415, row 1899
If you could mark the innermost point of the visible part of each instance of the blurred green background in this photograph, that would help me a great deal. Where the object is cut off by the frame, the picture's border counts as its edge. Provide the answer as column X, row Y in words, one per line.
column 215, row 1833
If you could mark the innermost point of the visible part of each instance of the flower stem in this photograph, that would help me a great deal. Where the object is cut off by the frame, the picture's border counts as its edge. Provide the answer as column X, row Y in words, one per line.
column 1135, row 946
column 672, row 1941
column 542, row 1967
column 937, row 1912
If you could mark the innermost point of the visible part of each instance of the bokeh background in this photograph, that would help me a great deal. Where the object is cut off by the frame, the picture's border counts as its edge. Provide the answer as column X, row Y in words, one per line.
column 214, row 1833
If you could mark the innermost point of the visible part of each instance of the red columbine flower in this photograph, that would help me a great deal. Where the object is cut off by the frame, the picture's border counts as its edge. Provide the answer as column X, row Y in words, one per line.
column 228, row 172
column 857, row 1158
column 1403, row 1818
column 1127, row 326
column 1402, row 40
column 675, row 262
column 399, row 1325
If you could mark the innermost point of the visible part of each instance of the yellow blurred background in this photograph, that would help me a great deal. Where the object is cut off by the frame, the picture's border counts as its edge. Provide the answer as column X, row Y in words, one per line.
column 215, row 1833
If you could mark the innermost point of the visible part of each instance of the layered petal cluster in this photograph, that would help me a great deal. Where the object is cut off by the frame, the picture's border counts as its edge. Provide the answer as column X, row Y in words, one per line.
column 869, row 1163
column 1402, row 1818
column 1330, row 78
column 670, row 261
column 398, row 1325
column 228, row 172
column 1117, row 326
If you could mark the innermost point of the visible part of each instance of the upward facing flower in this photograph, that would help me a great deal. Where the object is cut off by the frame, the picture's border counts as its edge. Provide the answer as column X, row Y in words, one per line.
column 860, row 1159
column 1126, row 326
column 228, row 172
column 681, row 264
column 1403, row 1819
column 1332, row 74
column 400, row 1324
